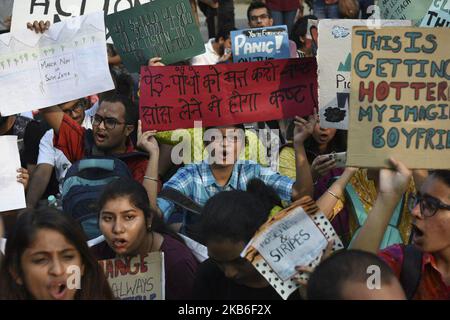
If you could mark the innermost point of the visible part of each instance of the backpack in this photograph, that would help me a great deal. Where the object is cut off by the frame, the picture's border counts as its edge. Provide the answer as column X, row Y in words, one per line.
column 83, row 184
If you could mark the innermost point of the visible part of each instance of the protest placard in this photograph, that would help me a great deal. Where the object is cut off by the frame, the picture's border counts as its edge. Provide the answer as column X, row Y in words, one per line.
column 175, row 97
column 162, row 28
column 12, row 193
column 25, row 11
column 296, row 236
column 334, row 61
column 136, row 278
column 260, row 44
column 413, row 10
column 67, row 62
column 400, row 98
column 438, row 14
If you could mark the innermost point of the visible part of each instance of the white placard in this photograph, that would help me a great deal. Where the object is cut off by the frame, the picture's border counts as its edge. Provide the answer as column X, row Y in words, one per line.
column 292, row 241
column 67, row 62
column 334, row 60
column 25, row 11
column 12, row 193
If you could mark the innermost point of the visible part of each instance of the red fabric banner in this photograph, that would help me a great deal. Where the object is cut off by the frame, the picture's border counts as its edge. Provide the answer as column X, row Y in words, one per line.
column 174, row 97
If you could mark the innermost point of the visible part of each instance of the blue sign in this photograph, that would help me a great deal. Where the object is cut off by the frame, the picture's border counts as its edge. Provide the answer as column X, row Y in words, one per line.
column 260, row 44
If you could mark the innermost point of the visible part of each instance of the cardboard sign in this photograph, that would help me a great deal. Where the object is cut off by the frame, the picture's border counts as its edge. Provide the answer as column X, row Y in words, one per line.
column 400, row 98
column 286, row 236
column 12, row 193
column 162, row 28
column 58, row 10
column 137, row 278
column 290, row 242
column 334, row 64
column 438, row 14
column 67, row 62
column 260, row 44
column 175, row 97
column 413, row 10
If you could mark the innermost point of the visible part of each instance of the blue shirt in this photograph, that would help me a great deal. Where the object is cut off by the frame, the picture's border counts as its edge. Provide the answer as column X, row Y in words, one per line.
column 198, row 183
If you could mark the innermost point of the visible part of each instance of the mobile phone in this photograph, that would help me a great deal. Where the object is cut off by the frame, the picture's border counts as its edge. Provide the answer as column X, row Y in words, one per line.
column 340, row 158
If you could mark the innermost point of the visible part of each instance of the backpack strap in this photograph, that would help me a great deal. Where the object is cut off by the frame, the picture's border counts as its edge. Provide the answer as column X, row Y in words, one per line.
column 88, row 142
column 411, row 270
column 181, row 200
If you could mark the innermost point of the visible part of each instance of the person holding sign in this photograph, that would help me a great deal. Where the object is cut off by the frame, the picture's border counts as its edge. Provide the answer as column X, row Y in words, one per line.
column 423, row 267
column 222, row 171
column 132, row 228
column 229, row 220
column 47, row 258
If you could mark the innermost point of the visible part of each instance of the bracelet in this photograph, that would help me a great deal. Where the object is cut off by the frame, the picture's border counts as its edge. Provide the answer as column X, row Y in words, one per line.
column 150, row 178
column 334, row 195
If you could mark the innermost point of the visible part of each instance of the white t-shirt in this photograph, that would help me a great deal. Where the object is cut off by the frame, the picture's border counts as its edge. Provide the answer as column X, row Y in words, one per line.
column 55, row 157
column 210, row 57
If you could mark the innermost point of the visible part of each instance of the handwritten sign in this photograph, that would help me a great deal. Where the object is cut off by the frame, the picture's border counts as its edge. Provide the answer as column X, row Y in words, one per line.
column 25, row 11
column 290, row 242
column 335, row 69
column 175, row 97
column 404, row 10
column 438, row 14
column 66, row 63
column 12, row 193
column 136, row 278
column 162, row 28
column 260, row 44
column 400, row 98
column 286, row 241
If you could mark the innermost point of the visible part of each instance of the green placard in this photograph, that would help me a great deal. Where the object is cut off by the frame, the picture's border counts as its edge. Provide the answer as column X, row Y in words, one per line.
column 161, row 28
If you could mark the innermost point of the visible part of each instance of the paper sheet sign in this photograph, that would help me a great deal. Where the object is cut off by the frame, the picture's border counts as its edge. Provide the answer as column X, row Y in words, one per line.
column 290, row 242
column 175, row 97
column 12, row 193
column 438, row 15
column 65, row 63
column 161, row 28
column 400, row 98
column 259, row 44
column 334, row 64
column 137, row 278
column 413, row 10
column 317, row 222
column 25, row 11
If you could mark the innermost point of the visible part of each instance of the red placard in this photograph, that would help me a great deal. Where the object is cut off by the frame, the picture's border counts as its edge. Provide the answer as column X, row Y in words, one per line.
column 175, row 97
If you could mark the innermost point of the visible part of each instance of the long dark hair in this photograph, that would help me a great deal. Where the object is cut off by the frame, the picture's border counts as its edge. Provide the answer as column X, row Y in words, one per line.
column 137, row 195
column 237, row 215
column 94, row 285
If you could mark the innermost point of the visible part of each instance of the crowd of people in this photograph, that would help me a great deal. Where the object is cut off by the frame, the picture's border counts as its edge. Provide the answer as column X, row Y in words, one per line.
column 160, row 206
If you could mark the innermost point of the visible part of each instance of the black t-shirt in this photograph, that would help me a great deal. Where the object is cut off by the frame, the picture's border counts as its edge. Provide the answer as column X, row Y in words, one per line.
column 211, row 284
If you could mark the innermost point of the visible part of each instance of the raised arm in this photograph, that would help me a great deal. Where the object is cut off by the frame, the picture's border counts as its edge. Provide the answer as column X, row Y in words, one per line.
column 329, row 199
column 303, row 185
column 393, row 183
column 148, row 143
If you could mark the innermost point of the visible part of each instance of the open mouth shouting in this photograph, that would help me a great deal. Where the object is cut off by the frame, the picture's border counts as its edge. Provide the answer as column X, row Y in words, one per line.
column 58, row 290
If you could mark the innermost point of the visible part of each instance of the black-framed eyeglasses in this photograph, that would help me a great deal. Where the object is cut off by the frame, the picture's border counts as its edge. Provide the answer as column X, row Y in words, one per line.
column 110, row 123
column 428, row 205
column 263, row 16
column 75, row 109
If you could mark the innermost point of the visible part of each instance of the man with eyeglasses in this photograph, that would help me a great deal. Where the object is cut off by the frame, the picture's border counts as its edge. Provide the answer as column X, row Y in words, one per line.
column 50, row 159
column 112, row 126
column 429, row 256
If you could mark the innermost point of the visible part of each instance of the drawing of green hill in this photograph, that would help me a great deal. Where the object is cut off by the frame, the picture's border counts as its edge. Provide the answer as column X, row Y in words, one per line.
column 348, row 64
